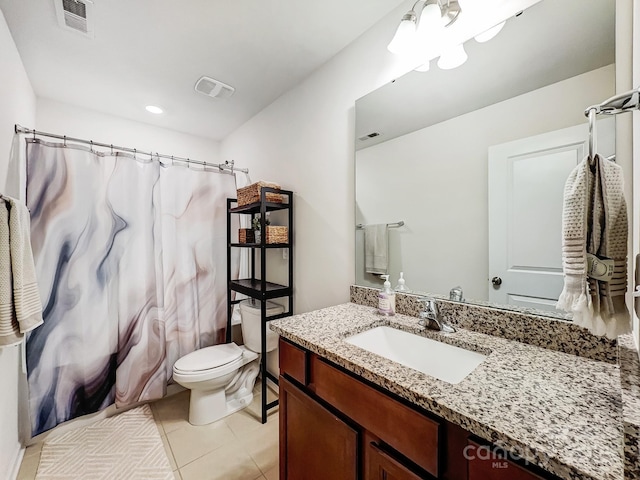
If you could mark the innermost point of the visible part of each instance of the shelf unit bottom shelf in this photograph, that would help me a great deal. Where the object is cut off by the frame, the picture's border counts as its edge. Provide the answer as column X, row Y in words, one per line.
column 253, row 288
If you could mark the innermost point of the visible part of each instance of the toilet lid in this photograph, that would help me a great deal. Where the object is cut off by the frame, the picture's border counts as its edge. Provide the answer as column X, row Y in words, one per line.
column 209, row 357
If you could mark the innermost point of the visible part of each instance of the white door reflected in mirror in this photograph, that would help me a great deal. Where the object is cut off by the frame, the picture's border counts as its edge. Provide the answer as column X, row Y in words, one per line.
column 526, row 185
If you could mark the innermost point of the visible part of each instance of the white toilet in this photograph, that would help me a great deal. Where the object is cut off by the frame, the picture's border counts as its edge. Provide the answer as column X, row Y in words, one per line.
column 221, row 378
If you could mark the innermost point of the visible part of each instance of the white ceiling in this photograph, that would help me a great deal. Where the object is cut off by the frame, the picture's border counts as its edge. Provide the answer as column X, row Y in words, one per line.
column 551, row 41
column 153, row 51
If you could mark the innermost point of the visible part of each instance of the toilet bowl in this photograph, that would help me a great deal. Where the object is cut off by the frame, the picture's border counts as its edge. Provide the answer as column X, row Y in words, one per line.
column 221, row 380
column 250, row 316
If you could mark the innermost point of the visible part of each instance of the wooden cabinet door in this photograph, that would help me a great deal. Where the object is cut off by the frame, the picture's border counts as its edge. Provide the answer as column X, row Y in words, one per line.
column 381, row 466
column 314, row 443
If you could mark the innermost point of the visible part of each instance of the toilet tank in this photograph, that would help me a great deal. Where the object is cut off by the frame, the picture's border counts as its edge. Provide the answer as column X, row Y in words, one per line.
column 250, row 315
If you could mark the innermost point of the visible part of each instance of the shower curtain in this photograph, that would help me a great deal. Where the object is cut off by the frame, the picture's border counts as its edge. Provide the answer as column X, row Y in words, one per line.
column 131, row 262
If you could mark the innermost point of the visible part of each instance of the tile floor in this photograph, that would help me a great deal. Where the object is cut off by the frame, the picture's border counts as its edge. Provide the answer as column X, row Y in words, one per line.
column 237, row 447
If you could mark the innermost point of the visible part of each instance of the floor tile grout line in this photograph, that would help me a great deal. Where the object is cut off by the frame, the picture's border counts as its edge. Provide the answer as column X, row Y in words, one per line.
column 173, row 455
column 204, row 455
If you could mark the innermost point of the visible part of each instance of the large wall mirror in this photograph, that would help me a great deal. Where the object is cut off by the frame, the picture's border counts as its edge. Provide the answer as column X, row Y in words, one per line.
column 474, row 160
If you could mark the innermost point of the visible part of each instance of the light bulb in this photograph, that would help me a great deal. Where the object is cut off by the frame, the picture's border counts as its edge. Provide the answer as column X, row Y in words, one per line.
column 404, row 38
column 489, row 34
column 452, row 58
column 430, row 22
column 153, row 109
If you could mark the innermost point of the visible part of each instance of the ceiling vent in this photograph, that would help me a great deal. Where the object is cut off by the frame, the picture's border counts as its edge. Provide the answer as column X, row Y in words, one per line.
column 214, row 88
column 75, row 15
column 369, row 136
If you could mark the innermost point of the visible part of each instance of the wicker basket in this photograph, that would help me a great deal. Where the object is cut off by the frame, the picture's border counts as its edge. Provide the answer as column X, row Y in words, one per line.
column 246, row 235
column 251, row 194
column 276, row 234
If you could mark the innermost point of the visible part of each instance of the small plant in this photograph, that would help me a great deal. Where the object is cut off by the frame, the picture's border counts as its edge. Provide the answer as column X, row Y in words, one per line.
column 256, row 222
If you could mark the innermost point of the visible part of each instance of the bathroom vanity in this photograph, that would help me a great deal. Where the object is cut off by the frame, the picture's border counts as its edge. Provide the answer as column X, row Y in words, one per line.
column 335, row 425
column 525, row 412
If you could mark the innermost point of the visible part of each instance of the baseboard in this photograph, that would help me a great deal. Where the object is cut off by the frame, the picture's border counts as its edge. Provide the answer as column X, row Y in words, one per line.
column 14, row 468
column 272, row 385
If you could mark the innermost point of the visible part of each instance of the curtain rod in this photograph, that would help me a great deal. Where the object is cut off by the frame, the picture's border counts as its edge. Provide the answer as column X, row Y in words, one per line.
column 227, row 165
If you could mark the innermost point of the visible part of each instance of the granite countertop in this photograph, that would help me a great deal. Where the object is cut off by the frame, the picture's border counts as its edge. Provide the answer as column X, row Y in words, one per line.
column 558, row 411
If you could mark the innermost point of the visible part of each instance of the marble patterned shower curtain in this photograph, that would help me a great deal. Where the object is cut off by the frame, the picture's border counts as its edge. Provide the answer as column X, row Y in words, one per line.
column 131, row 264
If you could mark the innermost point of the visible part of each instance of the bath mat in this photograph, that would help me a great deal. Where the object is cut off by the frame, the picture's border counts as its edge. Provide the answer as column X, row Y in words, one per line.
column 125, row 446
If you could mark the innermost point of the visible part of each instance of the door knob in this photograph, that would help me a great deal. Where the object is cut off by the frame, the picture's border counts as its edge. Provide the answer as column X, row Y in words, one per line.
column 497, row 281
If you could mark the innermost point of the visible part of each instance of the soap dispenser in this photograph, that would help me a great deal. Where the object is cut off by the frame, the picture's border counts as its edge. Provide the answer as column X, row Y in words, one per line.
column 401, row 287
column 386, row 298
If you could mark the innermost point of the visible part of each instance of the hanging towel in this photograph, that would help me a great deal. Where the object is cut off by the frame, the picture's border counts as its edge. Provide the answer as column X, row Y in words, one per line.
column 9, row 328
column 376, row 249
column 594, row 221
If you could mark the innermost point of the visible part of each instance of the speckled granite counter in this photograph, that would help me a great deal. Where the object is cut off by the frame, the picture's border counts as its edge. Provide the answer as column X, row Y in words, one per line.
column 561, row 412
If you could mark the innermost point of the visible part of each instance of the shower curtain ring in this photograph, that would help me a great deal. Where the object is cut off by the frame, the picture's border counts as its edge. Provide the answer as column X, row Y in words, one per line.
column 172, row 160
column 135, row 151
column 65, row 141
column 112, row 149
column 91, row 145
column 189, row 163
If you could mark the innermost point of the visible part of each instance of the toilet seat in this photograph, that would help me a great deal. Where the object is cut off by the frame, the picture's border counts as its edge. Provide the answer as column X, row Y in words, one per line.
column 208, row 363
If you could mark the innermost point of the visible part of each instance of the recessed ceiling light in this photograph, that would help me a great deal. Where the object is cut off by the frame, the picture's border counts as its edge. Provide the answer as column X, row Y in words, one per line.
column 154, row 109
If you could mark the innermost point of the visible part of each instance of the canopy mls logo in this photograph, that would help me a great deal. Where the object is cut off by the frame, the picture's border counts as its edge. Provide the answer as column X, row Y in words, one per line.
column 491, row 453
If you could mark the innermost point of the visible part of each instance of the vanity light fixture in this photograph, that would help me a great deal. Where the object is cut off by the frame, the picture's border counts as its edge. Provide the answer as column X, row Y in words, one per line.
column 403, row 40
column 153, row 109
column 434, row 16
column 438, row 28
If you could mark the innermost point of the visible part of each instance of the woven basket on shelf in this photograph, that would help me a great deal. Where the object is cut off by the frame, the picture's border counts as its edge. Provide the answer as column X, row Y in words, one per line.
column 251, row 193
column 276, row 234
column 246, row 235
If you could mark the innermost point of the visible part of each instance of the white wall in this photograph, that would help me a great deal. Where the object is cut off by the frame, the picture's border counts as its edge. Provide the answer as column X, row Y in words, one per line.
column 435, row 180
column 17, row 105
column 64, row 119
column 305, row 142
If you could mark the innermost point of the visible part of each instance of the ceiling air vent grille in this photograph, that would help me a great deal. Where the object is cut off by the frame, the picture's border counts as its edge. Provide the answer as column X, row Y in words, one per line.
column 369, row 136
column 213, row 88
column 75, row 15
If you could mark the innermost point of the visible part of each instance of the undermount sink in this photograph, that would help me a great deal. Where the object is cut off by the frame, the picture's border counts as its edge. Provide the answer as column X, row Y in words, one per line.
column 440, row 360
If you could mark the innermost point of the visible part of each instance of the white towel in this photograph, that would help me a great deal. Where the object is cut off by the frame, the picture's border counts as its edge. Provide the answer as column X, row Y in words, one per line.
column 26, row 295
column 376, row 249
column 594, row 220
column 9, row 328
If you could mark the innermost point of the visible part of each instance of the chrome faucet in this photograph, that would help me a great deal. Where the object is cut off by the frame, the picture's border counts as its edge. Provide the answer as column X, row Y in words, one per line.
column 430, row 318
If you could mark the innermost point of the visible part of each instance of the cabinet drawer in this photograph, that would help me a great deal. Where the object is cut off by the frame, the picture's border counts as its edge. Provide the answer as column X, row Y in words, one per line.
column 382, row 466
column 399, row 426
column 488, row 463
column 293, row 361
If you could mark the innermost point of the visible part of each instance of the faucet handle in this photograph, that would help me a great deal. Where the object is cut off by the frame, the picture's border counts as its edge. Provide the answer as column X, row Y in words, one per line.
column 455, row 294
column 429, row 305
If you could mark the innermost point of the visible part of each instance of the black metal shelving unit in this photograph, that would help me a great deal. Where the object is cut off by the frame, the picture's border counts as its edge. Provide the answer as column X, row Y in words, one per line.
column 260, row 288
